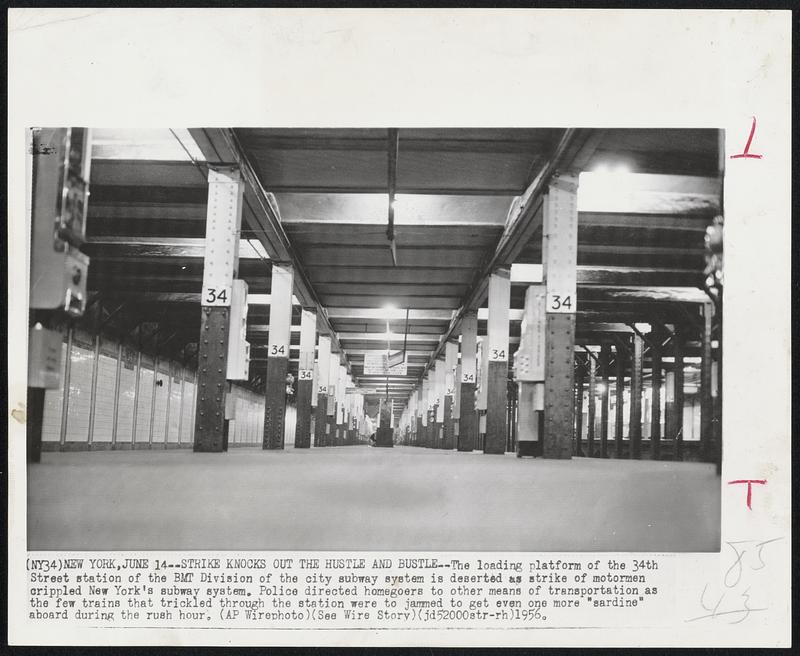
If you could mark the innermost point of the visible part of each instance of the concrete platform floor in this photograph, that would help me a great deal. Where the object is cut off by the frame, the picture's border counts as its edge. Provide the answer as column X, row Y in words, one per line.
column 365, row 498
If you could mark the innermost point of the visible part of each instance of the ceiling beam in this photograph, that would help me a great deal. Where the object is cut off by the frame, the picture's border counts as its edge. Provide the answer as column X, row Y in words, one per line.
column 381, row 337
column 531, row 274
column 222, row 145
column 380, row 314
column 355, row 353
column 522, row 146
column 118, row 248
column 574, row 150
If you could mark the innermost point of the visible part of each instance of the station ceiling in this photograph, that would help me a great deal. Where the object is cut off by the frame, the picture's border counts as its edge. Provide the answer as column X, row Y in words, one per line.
column 319, row 197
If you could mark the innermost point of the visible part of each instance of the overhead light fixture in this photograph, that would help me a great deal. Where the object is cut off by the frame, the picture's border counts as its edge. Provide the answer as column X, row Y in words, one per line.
column 392, row 148
column 643, row 328
column 617, row 168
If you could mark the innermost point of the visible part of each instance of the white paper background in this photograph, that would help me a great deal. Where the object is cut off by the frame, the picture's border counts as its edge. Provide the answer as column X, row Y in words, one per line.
column 552, row 68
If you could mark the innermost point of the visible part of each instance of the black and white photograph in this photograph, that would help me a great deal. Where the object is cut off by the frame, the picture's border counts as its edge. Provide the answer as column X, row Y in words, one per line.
column 384, row 339
column 399, row 327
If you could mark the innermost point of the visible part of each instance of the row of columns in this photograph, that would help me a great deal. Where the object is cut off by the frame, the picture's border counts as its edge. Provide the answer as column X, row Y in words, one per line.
column 324, row 387
column 456, row 403
column 628, row 354
column 545, row 400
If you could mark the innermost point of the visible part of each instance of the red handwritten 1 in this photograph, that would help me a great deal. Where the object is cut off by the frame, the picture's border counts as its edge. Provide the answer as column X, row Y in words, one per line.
column 746, row 154
column 749, row 482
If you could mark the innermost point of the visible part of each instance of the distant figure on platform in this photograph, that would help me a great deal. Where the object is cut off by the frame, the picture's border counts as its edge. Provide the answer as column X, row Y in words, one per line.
column 369, row 429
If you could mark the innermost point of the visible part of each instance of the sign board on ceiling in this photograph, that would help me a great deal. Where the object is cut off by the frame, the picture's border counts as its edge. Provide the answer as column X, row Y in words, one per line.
column 395, row 359
column 376, row 364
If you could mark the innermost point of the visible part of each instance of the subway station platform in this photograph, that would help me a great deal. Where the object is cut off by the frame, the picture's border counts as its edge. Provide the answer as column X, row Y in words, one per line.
column 363, row 498
column 222, row 319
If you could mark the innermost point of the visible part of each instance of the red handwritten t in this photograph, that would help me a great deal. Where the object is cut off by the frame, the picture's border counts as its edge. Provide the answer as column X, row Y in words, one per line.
column 749, row 482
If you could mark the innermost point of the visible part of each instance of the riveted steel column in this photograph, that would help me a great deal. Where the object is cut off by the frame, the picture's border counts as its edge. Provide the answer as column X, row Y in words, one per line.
column 182, row 401
column 580, row 374
column 220, row 265
column 154, row 389
column 422, row 416
column 427, row 386
column 93, row 389
column 211, row 383
column 323, row 368
column 635, row 428
column 305, row 378
column 425, row 410
column 169, row 402
column 439, row 398
column 678, row 393
column 592, row 407
column 467, row 419
column 707, row 446
column 341, row 388
column 559, row 258
column 115, row 411
column 619, row 408
column 605, row 358
column 529, row 373
column 330, row 418
column 450, row 362
column 655, row 412
column 280, row 326
column 136, row 395
column 497, row 370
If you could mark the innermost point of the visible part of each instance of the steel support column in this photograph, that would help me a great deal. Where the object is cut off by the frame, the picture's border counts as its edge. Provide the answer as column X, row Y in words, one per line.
column 580, row 375
column 451, row 361
column 115, row 411
column 592, row 408
column 439, row 396
column 136, row 394
column 183, row 396
column 280, row 326
column 323, row 369
column 497, row 356
column 211, row 382
column 605, row 358
column 655, row 406
column 341, row 388
column 677, row 426
column 169, row 402
column 421, row 421
column 707, row 445
column 305, row 378
column 619, row 407
column 635, row 429
column 559, row 258
column 426, row 410
column 93, row 389
column 220, row 265
column 529, row 373
column 330, row 408
column 467, row 420
column 558, row 407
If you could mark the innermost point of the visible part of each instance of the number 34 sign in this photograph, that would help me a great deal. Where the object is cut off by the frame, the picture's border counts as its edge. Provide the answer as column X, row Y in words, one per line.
column 217, row 297
column 560, row 302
